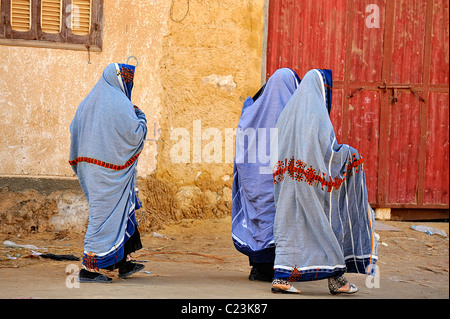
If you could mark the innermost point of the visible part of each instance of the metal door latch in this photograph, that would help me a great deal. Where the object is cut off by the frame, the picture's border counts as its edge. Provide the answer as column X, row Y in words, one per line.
column 395, row 89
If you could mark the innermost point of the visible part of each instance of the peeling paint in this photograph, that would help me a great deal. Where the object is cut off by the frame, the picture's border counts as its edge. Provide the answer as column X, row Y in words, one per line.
column 223, row 81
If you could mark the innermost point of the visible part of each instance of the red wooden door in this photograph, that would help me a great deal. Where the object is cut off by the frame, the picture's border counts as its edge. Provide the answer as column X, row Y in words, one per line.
column 391, row 98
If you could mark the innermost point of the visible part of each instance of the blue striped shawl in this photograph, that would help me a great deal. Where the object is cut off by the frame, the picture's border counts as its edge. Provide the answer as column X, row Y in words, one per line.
column 253, row 208
column 323, row 225
column 107, row 135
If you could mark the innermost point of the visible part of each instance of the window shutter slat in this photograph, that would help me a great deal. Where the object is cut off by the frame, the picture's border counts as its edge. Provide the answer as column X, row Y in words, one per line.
column 81, row 17
column 51, row 16
column 21, row 15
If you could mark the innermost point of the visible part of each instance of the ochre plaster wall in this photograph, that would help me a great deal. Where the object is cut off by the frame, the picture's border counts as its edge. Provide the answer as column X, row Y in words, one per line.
column 41, row 88
column 198, row 61
column 212, row 62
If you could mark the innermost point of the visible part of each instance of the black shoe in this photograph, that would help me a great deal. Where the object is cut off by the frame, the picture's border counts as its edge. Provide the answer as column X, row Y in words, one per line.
column 129, row 268
column 89, row 276
column 255, row 275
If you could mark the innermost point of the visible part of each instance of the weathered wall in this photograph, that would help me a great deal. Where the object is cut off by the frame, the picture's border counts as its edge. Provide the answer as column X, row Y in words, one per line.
column 40, row 88
column 211, row 63
column 198, row 61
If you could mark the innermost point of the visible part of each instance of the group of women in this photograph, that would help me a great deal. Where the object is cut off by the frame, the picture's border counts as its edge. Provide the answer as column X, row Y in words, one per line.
column 299, row 213
column 309, row 218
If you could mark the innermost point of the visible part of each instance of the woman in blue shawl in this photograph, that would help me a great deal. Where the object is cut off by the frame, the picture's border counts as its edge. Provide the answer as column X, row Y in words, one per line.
column 253, row 208
column 323, row 223
column 107, row 136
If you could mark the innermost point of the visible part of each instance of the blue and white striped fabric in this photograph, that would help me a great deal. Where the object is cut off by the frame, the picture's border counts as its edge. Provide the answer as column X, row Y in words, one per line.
column 108, row 131
column 253, row 207
column 323, row 225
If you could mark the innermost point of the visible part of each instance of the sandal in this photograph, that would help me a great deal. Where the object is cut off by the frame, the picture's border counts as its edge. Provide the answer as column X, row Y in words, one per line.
column 336, row 283
column 284, row 287
column 352, row 290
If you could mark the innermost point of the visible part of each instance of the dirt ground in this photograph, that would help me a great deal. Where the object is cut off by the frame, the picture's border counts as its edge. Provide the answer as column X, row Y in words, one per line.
column 195, row 259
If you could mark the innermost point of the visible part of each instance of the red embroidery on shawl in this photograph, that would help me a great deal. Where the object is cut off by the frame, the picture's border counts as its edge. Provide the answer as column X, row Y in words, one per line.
column 104, row 164
column 90, row 260
column 298, row 171
column 295, row 275
column 127, row 74
column 318, row 269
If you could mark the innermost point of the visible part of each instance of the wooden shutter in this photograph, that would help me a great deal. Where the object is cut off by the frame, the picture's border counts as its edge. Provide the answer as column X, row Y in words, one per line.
column 51, row 16
column 68, row 24
column 81, row 17
column 2, row 24
column 21, row 15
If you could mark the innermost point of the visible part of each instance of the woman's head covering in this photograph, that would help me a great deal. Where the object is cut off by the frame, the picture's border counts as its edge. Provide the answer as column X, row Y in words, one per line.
column 105, row 122
column 327, row 78
column 120, row 76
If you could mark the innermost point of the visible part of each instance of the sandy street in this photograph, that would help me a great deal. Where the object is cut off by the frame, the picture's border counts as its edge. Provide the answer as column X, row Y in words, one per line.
column 195, row 259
